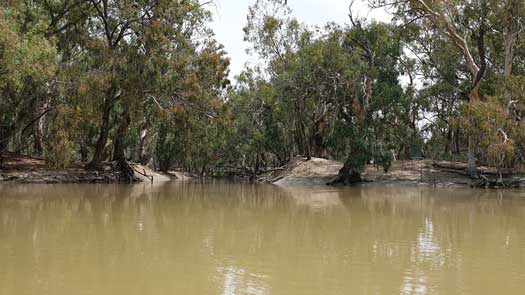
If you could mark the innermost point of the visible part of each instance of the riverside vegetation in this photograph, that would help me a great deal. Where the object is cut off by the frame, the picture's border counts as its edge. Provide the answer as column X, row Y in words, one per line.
column 84, row 82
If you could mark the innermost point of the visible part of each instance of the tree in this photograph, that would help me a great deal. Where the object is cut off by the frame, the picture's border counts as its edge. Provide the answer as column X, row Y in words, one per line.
column 27, row 63
column 477, row 29
column 367, row 111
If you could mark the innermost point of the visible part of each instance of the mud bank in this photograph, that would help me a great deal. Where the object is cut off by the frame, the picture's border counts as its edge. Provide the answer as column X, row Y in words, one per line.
column 22, row 169
column 316, row 171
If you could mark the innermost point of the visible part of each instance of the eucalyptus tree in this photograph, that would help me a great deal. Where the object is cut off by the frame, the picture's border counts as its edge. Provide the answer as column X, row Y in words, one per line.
column 368, row 112
column 466, row 24
column 27, row 68
column 190, row 107
column 277, row 37
column 484, row 34
column 116, row 24
column 123, row 60
column 258, row 136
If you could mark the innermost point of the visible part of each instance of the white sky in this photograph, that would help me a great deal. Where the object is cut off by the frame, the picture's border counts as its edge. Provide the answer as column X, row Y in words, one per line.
column 230, row 18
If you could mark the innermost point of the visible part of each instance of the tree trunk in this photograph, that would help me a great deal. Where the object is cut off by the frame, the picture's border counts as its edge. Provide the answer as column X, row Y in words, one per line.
column 308, row 152
column 143, row 149
column 38, row 135
column 39, row 129
column 256, row 168
column 510, row 40
column 164, row 165
column 457, row 135
column 347, row 176
column 6, row 131
column 98, row 156
column 301, row 141
column 119, row 147
column 119, row 154
column 402, row 152
column 450, row 144
column 303, row 144
column 5, row 134
column 84, row 150
column 319, row 148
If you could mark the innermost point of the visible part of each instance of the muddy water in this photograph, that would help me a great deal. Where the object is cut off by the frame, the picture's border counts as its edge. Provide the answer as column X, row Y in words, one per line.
column 223, row 238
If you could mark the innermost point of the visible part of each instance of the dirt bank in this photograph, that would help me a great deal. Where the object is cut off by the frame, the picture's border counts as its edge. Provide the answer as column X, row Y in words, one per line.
column 302, row 172
column 316, row 171
column 299, row 173
column 22, row 169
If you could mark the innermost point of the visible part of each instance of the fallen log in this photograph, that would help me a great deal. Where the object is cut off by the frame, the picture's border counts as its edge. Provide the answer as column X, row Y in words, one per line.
column 460, row 167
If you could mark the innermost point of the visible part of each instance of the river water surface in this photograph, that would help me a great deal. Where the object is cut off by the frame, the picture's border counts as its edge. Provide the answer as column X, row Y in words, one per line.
column 226, row 238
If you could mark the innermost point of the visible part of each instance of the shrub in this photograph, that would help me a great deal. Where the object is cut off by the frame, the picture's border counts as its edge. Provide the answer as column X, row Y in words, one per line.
column 60, row 153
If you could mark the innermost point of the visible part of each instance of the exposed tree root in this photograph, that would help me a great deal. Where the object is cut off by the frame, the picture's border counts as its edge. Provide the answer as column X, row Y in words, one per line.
column 499, row 182
column 127, row 173
column 346, row 177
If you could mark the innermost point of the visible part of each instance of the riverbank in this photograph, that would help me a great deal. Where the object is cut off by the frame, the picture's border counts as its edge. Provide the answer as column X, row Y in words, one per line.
column 298, row 173
column 302, row 172
column 23, row 169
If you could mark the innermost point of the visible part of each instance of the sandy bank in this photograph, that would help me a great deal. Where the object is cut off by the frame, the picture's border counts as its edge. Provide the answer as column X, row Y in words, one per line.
column 316, row 171
column 302, row 172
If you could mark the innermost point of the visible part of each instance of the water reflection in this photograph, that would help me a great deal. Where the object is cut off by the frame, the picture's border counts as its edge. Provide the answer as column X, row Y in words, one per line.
column 224, row 238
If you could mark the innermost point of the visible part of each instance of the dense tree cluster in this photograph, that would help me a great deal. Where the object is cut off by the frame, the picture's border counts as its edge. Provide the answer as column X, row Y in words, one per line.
column 118, row 80
column 470, row 58
column 110, row 80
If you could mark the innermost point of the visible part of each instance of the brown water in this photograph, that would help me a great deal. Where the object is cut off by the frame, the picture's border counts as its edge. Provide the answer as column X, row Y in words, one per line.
column 223, row 238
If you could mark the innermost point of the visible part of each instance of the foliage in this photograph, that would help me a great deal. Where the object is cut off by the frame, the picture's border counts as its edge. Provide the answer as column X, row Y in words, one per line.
column 60, row 151
column 27, row 66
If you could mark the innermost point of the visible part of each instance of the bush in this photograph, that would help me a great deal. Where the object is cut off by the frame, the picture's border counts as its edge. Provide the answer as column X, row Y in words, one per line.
column 60, row 153
column 60, row 149
column 495, row 131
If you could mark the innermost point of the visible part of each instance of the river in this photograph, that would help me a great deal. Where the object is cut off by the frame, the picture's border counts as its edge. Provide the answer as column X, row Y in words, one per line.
column 231, row 238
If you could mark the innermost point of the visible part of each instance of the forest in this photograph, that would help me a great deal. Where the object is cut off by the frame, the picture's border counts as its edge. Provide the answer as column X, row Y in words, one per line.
column 145, row 81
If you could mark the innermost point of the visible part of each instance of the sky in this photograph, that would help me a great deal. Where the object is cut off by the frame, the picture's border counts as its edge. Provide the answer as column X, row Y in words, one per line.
column 230, row 18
